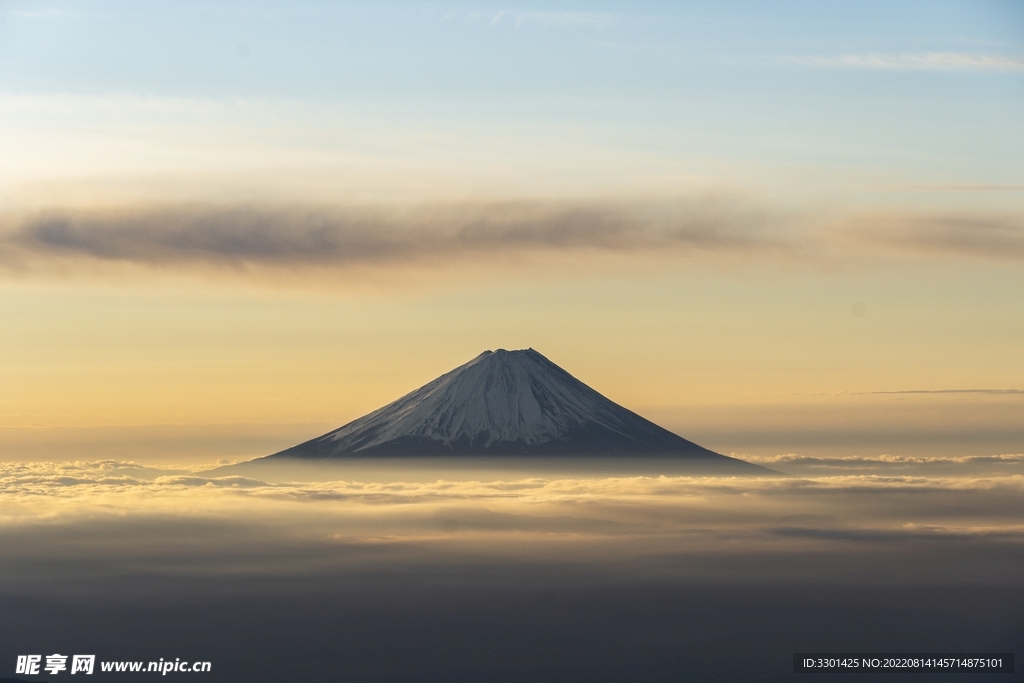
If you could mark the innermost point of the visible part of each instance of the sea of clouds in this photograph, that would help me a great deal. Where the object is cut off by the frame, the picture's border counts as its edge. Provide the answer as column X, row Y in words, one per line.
column 508, row 575
column 913, row 512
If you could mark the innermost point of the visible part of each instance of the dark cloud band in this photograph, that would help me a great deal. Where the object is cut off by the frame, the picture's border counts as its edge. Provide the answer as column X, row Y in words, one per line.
column 293, row 236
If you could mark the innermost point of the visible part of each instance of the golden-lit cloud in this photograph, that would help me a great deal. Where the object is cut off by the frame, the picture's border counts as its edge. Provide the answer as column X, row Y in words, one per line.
column 1008, row 464
column 389, row 484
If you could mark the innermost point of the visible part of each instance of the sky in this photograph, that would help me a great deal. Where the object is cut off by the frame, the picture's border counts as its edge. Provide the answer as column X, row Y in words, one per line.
column 794, row 228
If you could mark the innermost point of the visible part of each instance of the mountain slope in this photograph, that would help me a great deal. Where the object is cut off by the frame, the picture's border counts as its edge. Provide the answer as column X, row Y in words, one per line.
column 508, row 403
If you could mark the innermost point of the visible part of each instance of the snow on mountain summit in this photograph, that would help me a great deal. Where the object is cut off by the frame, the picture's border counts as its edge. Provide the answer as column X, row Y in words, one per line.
column 502, row 403
column 499, row 396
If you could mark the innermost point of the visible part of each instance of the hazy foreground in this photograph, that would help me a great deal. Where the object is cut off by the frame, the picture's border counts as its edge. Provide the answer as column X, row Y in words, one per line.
column 392, row 573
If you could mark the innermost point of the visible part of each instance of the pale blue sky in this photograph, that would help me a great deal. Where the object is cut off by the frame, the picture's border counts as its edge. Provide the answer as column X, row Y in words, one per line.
column 932, row 91
column 938, row 82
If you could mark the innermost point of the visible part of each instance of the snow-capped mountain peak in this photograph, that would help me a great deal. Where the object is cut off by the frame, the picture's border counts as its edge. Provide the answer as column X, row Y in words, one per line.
column 501, row 403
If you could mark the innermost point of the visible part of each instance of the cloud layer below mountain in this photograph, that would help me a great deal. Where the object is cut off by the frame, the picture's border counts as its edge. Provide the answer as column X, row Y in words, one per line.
column 110, row 511
column 426, row 575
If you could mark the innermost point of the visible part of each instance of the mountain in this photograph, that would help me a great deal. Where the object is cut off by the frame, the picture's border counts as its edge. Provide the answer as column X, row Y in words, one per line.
column 505, row 403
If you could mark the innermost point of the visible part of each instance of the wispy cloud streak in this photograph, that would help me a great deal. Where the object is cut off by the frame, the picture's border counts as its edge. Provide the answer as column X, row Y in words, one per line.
column 996, row 392
column 924, row 61
column 564, row 18
column 963, row 234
